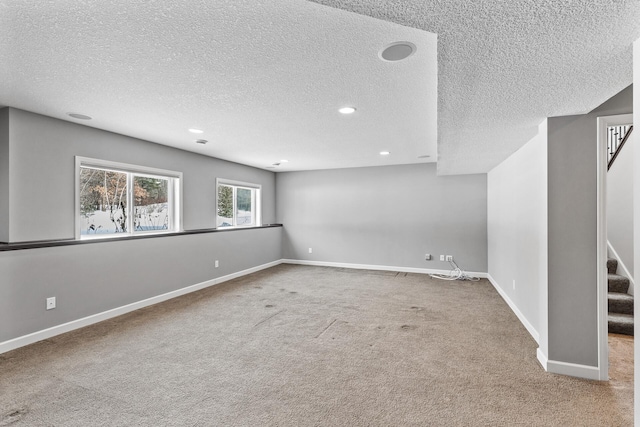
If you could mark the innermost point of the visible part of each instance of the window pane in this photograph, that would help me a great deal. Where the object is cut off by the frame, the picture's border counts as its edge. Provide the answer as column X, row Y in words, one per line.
column 151, row 204
column 244, row 206
column 103, row 200
column 225, row 206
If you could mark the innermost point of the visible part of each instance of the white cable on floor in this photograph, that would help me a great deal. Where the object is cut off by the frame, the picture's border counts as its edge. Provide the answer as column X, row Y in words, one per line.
column 455, row 274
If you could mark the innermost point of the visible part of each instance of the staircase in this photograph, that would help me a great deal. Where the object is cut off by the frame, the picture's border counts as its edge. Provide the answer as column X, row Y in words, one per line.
column 620, row 302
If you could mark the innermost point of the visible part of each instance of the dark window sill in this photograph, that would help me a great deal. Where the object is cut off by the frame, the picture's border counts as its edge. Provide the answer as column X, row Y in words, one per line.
column 53, row 243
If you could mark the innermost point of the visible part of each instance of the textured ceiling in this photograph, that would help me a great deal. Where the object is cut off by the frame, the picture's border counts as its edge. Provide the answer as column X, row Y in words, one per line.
column 263, row 79
column 503, row 66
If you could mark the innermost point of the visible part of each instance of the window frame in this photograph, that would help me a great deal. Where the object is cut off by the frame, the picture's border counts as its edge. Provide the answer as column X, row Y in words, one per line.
column 257, row 188
column 131, row 171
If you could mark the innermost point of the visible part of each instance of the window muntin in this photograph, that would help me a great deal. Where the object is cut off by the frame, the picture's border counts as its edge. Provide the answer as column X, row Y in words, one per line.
column 116, row 199
column 238, row 204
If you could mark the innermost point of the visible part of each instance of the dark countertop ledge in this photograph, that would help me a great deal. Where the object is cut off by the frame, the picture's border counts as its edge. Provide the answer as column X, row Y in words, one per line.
column 69, row 242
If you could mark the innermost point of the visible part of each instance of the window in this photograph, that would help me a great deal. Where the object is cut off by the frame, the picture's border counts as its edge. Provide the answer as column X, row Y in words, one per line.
column 116, row 199
column 238, row 204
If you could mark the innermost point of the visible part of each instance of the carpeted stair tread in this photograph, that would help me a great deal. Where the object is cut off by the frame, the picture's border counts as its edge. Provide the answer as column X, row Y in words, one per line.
column 620, row 303
column 618, row 283
column 620, row 323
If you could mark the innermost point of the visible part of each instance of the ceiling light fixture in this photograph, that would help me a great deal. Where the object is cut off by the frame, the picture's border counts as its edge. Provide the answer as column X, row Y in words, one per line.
column 79, row 116
column 284, row 161
column 201, row 141
column 385, row 153
column 347, row 110
column 397, row 51
column 194, row 130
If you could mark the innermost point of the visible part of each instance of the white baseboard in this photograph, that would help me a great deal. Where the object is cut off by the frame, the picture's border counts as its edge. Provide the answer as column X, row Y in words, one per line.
column 534, row 333
column 99, row 317
column 542, row 358
column 247, row 271
column 376, row 267
column 553, row 366
column 625, row 271
column 573, row 370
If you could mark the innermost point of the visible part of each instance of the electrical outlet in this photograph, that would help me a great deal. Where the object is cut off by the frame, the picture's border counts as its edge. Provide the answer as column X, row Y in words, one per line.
column 441, row 257
column 310, row 250
column 449, row 257
column 427, row 257
column 51, row 303
column 217, row 264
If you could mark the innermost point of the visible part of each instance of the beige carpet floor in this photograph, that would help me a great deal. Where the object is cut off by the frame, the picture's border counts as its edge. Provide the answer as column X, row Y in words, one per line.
column 307, row 346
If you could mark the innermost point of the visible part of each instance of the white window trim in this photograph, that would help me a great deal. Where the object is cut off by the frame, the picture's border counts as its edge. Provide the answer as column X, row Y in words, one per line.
column 175, row 194
column 258, row 201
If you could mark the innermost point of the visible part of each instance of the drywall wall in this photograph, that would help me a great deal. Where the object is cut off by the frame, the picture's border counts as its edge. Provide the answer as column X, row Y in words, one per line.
column 620, row 207
column 88, row 279
column 43, row 175
column 384, row 216
column 4, row 175
column 572, row 204
column 517, row 232
column 636, row 219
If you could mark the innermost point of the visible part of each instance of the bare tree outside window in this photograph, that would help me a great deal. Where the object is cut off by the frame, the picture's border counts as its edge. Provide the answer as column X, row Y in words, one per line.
column 103, row 200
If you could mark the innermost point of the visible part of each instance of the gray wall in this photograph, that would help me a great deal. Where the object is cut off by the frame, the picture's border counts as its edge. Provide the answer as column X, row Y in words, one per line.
column 43, row 174
column 620, row 206
column 572, row 177
column 94, row 277
column 636, row 231
column 4, row 175
column 85, row 282
column 517, row 229
column 387, row 216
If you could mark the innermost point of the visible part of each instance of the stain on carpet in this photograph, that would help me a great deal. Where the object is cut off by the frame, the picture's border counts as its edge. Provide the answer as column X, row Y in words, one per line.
column 12, row 416
column 327, row 328
column 268, row 318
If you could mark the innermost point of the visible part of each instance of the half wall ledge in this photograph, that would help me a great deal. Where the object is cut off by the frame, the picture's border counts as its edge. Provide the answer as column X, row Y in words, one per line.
column 69, row 242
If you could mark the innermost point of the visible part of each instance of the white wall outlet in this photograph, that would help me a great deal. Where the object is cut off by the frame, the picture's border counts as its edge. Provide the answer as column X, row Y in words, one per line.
column 441, row 257
column 51, row 303
column 427, row 257
column 310, row 250
column 449, row 257
column 514, row 284
column 217, row 264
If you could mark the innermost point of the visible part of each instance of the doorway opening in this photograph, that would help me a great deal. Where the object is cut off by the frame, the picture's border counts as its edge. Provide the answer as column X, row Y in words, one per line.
column 615, row 246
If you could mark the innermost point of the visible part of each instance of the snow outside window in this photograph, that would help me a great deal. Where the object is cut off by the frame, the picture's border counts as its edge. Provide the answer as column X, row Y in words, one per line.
column 116, row 199
column 238, row 204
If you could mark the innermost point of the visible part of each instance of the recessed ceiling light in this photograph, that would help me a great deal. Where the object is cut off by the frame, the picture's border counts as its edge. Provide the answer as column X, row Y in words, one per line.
column 201, row 141
column 193, row 130
column 384, row 153
column 284, row 161
column 347, row 110
column 79, row 116
column 397, row 51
